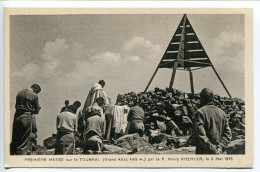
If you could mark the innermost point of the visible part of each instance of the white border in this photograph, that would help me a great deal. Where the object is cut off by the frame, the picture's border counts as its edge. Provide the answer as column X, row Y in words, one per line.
column 170, row 4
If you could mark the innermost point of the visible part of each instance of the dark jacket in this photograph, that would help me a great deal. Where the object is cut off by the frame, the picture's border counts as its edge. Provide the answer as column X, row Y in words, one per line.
column 27, row 101
column 212, row 129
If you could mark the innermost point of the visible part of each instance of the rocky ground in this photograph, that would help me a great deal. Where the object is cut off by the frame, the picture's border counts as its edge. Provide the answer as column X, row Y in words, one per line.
column 133, row 144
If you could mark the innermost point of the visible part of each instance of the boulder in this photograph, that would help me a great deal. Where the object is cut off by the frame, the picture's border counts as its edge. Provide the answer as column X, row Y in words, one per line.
column 184, row 150
column 134, row 143
column 112, row 149
column 181, row 142
column 142, row 150
column 161, row 137
column 236, row 147
column 50, row 142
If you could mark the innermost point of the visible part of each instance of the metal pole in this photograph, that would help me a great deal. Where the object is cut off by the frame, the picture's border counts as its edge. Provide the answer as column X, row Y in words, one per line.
column 221, row 81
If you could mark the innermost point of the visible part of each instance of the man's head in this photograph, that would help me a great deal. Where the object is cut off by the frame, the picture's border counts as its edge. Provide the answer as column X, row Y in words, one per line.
column 236, row 119
column 102, row 83
column 100, row 101
column 206, row 96
column 36, row 88
column 136, row 102
column 77, row 104
column 73, row 108
column 230, row 109
column 67, row 103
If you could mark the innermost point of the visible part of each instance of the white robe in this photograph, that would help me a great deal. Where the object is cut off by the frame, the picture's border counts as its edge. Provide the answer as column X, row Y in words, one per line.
column 95, row 92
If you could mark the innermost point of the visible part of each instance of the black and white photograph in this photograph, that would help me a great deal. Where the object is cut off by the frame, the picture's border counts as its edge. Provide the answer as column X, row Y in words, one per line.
column 107, row 84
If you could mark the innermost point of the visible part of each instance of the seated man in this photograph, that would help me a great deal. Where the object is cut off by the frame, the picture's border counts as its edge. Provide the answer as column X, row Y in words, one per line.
column 94, row 128
column 171, row 128
column 235, row 122
column 187, row 125
column 136, row 119
column 66, row 129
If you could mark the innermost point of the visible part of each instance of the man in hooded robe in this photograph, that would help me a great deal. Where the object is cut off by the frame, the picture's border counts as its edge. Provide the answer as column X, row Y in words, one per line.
column 95, row 92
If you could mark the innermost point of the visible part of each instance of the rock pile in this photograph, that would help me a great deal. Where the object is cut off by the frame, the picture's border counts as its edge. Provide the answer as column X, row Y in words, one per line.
column 180, row 107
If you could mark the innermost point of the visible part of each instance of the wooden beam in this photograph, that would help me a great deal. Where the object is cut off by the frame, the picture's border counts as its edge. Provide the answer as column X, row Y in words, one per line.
column 181, row 52
column 191, row 83
column 221, row 81
column 173, row 73
column 152, row 78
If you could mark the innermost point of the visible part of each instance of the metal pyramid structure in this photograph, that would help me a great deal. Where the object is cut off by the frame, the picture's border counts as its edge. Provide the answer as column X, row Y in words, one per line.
column 185, row 52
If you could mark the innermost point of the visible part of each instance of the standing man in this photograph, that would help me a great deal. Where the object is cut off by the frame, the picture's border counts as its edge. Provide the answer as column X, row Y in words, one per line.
column 211, row 126
column 136, row 119
column 24, row 124
column 95, row 92
column 94, row 128
column 66, row 129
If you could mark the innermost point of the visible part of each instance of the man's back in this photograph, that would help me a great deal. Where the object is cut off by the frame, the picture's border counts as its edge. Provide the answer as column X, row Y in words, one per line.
column 94, row 125
column 136, row 113
column 212, row 129
column 67, row 121
column 94, row 110
column 27, row 100
column 214, row 122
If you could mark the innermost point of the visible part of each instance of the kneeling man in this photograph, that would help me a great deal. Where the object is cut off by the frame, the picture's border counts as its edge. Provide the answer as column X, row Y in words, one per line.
column 66, row 129
column 94, row 128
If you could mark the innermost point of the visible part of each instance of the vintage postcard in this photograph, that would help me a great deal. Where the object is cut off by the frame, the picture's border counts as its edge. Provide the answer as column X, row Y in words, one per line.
column 137, row 87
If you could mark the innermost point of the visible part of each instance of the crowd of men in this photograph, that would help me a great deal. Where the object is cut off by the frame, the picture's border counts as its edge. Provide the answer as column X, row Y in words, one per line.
column 211, row 126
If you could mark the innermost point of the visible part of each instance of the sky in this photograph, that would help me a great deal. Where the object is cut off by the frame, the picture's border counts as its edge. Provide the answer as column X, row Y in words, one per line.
column 66, row 54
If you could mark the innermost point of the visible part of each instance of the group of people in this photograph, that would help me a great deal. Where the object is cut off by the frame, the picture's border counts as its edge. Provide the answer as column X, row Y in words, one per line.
column 211, row 126
column 88, row 124
column 24, row 133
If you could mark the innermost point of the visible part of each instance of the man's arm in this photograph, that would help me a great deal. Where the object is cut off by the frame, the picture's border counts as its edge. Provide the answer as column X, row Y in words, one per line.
column 104, row 95
column 226, row 138
column 37, row 106
column 62, row 109
column 201, row 133
column 129, row 117
column 57, row 122
column 103, row 128
column 76, row 124
column 16, row 101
